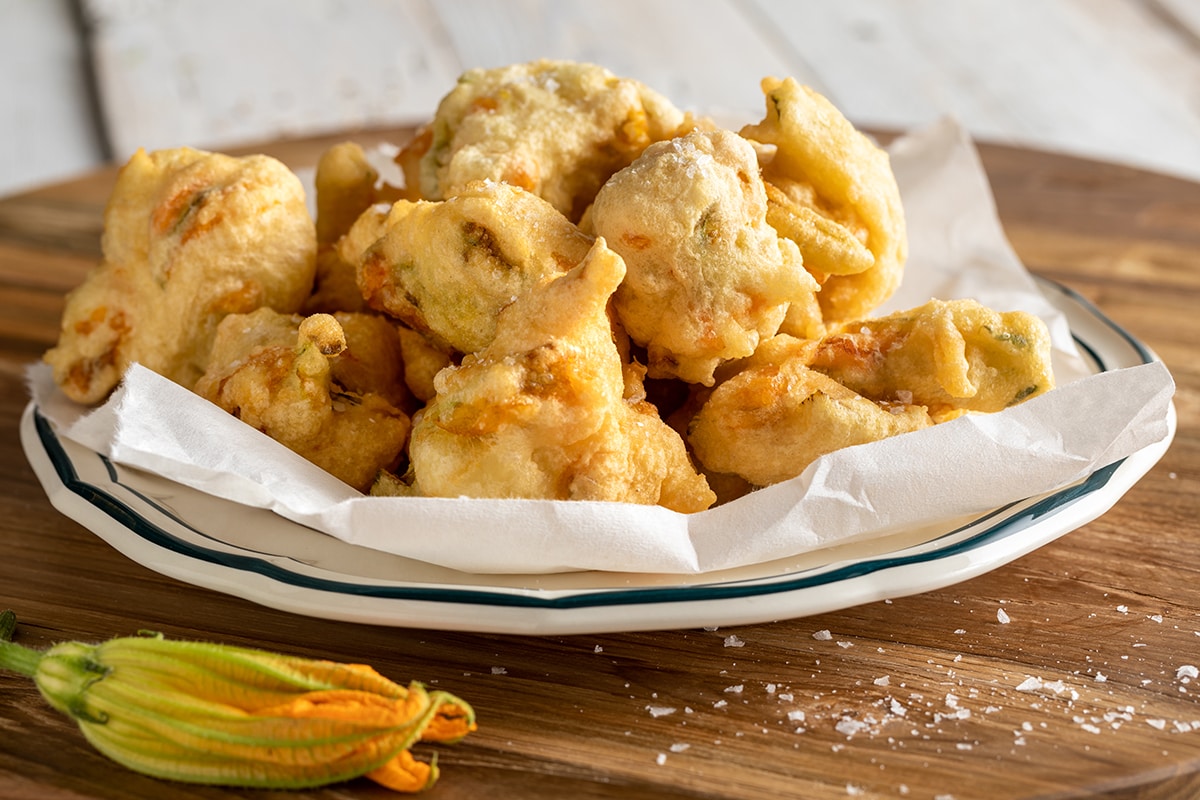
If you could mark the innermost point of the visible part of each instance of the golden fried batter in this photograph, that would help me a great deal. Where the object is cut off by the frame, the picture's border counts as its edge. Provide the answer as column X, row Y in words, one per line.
column 278, row 373
column 950, row 356
column 835, row 195
column 422, row 361
column 831, row 246
column 775, row 416
column 484, row 299
column 708, row 278
column 189, row 237
column 365, row 231
column 447, row 268
column 373, row 361
column 346, row 186
column 542, row 411
column 558, row 129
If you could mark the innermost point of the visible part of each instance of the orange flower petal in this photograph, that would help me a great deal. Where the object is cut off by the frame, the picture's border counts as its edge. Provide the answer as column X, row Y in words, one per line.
column 405, row 774
column 451, row 723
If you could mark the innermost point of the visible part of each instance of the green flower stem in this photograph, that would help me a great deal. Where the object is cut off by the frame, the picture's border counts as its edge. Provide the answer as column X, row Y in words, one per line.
column 8, row 624
column 14, row 657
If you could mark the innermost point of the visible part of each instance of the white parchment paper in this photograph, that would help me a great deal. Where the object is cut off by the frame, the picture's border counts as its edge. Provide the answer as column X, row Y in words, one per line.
column 967, row 466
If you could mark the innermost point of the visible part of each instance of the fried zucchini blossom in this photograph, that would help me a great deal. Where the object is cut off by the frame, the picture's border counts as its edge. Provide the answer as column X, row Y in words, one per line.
column 208, row 713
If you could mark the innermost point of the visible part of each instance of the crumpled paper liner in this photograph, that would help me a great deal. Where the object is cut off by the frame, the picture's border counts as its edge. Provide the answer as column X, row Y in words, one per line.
column 968, row 466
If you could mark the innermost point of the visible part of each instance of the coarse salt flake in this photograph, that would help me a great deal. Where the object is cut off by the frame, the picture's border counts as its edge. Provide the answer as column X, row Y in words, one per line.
column 1058, row 687
column 1160, row 724
column 735, row 689
column 848, row 726
column 822, row 636
column 1186, row 672
column 660, row 711
column 1002, row 616
column 1030, row 684
column 679, row 747
column 883, row 681
column 733, row 641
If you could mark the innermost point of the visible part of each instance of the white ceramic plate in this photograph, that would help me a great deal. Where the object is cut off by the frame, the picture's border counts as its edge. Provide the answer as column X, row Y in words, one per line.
column 254, row 554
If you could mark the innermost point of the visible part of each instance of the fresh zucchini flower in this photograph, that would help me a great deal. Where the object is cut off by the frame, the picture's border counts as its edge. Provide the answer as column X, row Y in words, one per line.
column 216, row 714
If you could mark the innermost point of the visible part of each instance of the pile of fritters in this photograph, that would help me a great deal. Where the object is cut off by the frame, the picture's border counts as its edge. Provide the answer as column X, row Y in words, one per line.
column 581, row 292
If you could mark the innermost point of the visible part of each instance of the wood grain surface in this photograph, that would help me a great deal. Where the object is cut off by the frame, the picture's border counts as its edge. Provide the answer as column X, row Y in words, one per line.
column 925, row 697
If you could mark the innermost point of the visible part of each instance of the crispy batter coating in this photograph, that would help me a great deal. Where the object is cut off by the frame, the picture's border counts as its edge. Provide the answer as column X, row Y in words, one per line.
column 774, row 416
column 422, row 361
column 542, row 411
column 708, row 278
column 366, row 230
column 483, row 297
column 835, row 195
column 346, row 186
column 558, row 129
column 447, row 268
column 335, row 285
column 279, row 374
column 950, row 356
column 189, row 237
column 373, row 361
column 834, row 243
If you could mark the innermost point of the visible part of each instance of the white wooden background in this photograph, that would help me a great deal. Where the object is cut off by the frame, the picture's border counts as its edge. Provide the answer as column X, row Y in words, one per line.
column 89, row 80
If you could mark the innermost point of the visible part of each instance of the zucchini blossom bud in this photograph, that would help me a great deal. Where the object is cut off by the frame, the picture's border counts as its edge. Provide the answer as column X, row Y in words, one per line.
column 216, row 714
